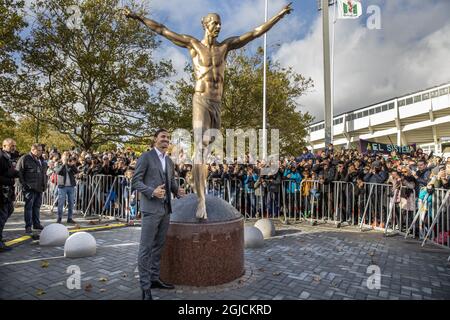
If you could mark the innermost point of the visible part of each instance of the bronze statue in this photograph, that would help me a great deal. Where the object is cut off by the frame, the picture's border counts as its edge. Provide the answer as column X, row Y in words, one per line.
column 208, row 58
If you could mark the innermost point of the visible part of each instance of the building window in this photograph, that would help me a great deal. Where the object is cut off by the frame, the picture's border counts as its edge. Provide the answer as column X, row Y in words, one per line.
column 443, row 91
column 384, row 108
column 391, row 106
column 434, row 94
column 378, row 110
column 371, row 111
column 366, row 113
column 417, row 98
column 426, row 96
column 409, row 101
column 401, row 103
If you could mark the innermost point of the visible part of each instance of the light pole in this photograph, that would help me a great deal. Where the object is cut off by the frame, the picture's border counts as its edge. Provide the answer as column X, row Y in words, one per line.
column 326, row 73
column 264, row 152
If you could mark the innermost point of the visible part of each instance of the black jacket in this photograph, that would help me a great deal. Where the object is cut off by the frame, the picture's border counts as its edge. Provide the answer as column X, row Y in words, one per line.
column 274, row 185
column 32, row 173
column 62, row 170
column 7, row 175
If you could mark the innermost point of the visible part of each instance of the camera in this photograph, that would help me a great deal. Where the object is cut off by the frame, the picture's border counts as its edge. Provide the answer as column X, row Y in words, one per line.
column 5, row 192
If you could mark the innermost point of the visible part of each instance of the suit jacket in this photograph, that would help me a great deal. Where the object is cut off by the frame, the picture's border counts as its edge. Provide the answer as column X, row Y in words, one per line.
column 148, row 175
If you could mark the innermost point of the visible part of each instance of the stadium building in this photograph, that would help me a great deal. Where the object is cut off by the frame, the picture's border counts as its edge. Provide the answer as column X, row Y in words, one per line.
column 421, row 118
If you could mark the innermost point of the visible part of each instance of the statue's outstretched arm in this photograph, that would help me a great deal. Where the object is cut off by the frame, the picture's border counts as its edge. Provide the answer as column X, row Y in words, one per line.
column 181, row 40
column 240, row 41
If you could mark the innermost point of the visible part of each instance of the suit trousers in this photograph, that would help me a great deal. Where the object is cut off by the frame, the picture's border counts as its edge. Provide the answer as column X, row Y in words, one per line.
column 153, row 234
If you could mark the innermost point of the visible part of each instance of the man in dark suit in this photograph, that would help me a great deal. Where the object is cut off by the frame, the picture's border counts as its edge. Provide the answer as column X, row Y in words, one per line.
column 154, row 178
column 8, row 173
column 33, row 178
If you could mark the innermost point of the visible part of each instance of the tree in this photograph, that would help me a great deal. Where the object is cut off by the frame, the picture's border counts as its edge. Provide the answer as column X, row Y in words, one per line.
column 91, row 79
column 7, row 125
column 11, row 23
column 242, row 101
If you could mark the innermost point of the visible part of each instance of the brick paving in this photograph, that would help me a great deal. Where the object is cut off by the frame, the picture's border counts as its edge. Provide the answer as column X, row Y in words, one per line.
column 15, row 226
column 301, row 262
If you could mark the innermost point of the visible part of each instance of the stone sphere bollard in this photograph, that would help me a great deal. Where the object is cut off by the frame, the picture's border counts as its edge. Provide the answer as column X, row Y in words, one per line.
column 253, row 238
column 266, row 226
column 54, row 234
column 79, row 245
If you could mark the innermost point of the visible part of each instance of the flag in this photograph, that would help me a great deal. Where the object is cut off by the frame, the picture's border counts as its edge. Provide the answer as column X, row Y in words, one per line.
column 349, row 9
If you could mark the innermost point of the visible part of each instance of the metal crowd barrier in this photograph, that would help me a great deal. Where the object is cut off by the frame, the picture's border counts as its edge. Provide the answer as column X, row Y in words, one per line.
column 438, row 227
column 371, row 205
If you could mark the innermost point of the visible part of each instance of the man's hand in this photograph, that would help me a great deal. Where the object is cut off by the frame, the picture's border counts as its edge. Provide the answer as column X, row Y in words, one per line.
column 181, row 192
column 160, row 192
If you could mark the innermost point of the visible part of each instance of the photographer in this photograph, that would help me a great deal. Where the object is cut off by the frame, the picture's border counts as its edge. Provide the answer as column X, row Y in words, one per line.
column 66, row 171
column 7, row 175
column 422, row 174
column 249, row 186
column 377, row 174
column 106, row 167
column 442, row 177
column 94, row 167
column 274, row 188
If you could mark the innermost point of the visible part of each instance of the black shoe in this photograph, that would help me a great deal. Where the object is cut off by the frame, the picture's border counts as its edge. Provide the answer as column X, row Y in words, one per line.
column 71, row 221
column 38, row 227
column 147, row 295
column 161, row 285
column 4, row 247
column 28, row 230
column 58, row 220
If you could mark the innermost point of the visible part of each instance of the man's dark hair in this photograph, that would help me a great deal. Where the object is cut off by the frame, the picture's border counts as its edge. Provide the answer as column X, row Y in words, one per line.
column 422, row 160
column 157, row 132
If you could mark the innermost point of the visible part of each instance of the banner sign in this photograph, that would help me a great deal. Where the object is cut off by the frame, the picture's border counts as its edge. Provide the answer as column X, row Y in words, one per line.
column 349, row 9
column 369, row 147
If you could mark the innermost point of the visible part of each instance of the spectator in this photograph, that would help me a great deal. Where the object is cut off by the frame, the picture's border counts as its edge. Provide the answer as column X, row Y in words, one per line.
column 422, row 174
column 249, row 180
column 376, row 174
column 66, row 171
column 306, row 155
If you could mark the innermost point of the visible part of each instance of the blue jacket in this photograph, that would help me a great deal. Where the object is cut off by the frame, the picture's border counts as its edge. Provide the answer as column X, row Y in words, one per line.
column 292, row 186
column 305, row 156
column 380, row 177
column 247, row 180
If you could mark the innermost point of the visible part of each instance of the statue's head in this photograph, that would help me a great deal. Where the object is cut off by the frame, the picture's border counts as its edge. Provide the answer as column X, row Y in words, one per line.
column 211, row 24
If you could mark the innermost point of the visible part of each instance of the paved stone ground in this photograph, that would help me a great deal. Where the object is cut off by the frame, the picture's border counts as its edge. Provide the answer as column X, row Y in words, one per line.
column 302, row 262
column 15, row 226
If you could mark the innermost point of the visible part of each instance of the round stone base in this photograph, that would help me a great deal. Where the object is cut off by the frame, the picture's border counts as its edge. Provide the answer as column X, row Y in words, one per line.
column 203, row 253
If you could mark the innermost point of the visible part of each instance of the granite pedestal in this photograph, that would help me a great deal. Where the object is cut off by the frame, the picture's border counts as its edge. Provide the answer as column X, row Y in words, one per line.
column 203, row 252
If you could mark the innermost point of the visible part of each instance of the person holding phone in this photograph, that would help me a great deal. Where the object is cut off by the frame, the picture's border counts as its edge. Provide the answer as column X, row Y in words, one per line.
column 66, row 171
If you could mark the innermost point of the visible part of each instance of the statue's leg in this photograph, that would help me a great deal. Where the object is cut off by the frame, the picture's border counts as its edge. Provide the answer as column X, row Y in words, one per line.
column 199, row 173
column 200, row 123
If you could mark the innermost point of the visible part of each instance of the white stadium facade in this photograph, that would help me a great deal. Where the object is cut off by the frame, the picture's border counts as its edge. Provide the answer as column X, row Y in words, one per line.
column 421, row 118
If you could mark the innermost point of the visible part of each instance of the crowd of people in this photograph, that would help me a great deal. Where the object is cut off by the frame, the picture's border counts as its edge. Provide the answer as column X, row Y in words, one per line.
column 42, row 167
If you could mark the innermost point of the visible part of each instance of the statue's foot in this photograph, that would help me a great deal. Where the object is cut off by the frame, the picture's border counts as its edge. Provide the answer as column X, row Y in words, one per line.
column 201, row 212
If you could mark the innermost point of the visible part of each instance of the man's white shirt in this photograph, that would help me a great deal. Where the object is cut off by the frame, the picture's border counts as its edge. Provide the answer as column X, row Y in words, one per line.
column 162, row 158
